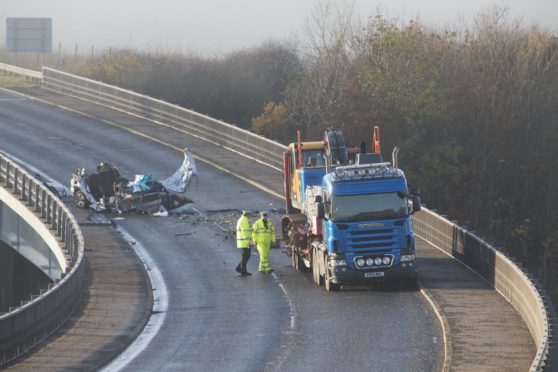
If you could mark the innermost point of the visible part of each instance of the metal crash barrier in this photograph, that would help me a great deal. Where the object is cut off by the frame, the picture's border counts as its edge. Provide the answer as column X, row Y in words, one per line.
column 14, row 70
column 502, row 273
column 27, row 325
column 188, row 121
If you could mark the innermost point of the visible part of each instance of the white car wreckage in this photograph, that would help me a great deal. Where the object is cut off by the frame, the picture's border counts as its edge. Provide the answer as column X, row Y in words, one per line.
column 107, row 190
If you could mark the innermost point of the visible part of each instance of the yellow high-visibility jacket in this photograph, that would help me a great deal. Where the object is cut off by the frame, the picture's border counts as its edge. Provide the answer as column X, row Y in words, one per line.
column 243, row 232
column 261, row 235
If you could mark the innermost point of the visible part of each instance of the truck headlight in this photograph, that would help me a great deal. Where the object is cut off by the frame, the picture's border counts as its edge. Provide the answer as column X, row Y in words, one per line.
column 338, row 263
column 407, row 257
column 370, row 261
column 360, row 262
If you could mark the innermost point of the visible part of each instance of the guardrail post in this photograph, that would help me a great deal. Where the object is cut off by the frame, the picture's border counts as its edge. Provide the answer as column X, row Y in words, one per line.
column 73, row 245
column 23, row 188
column 37, row 192
column 7, row 179
column 58, row 221
column 16, row 177
column 30, row 192
column 62, row 225
column 43, row 203
column 54, row 217
column 68, row 236
column 48, row 214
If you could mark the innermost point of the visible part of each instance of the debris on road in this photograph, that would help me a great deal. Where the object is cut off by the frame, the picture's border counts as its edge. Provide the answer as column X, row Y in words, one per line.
column 107, row 190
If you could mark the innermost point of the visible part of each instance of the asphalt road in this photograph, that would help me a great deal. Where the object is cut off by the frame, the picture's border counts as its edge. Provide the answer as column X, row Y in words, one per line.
column 217, row 320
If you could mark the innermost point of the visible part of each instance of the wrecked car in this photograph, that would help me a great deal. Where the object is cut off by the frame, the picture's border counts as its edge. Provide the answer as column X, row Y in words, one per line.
column 107, row 190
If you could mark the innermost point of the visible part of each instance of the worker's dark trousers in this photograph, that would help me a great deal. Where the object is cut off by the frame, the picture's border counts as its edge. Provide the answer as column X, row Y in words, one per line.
column 246, row 253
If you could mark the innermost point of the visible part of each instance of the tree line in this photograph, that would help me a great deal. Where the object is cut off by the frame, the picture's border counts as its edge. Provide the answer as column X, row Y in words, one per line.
column 474, row 109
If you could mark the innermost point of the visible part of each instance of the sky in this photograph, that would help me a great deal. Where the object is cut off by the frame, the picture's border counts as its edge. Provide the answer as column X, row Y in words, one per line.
column 216, row 27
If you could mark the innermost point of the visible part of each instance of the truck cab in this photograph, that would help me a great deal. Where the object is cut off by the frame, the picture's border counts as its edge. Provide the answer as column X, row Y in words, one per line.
column 367, row 226
column 304, row 166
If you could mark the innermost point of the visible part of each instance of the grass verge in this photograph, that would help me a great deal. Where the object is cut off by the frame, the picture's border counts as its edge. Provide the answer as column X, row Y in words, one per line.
column 14, row 81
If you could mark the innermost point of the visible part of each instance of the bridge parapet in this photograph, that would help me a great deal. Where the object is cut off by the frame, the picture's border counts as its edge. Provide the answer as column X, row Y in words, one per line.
column 27, row 325
column 202, row 126
column 506, row 276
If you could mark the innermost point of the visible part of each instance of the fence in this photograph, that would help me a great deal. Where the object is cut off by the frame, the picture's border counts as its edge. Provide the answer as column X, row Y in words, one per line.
column 25, row 326
column 502, row 273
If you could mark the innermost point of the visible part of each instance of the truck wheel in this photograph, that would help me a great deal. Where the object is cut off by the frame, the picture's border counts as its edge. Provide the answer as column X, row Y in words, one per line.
column 296, row 261
column 81, row 199
column 316, row 267
column 328, row 285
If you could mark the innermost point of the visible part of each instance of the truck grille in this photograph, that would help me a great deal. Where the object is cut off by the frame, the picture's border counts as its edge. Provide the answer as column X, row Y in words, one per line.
column 372, row 239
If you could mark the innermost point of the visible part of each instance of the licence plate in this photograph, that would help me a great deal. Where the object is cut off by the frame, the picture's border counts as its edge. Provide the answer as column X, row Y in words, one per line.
column 374, row 274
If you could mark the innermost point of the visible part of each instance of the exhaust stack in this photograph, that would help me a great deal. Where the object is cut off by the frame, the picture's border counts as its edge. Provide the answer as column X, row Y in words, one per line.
column 395, row 157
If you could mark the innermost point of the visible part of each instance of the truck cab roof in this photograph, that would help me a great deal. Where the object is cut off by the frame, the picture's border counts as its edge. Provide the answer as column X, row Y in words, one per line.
column 362, row 179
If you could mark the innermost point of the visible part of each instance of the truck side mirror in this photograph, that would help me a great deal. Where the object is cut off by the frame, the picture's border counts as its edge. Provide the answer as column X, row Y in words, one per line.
column 416, row 203
column 320, row 210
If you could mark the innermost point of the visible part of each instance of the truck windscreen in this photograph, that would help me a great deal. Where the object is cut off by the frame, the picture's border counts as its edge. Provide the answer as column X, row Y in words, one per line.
column 313, row 158
column 350, row 208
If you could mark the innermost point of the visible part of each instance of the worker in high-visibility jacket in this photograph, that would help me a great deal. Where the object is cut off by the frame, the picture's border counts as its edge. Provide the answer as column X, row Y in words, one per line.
column 243, row 241
column 263, row 235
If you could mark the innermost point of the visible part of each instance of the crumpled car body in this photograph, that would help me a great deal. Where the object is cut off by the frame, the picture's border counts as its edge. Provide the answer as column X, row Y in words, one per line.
column 107, row 190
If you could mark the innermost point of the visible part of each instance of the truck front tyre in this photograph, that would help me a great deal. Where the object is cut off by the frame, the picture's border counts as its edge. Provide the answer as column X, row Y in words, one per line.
column 328, row 284
column 316, row 266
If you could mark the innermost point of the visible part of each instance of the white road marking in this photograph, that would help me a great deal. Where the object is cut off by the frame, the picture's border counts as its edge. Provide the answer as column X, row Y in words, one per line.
column 288, row 348
column 289, row 300
column 160, row 293
column 160, row 307
column 292, row 312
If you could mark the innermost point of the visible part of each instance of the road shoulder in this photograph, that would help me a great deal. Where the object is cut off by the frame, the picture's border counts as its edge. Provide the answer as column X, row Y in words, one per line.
column 114, row 308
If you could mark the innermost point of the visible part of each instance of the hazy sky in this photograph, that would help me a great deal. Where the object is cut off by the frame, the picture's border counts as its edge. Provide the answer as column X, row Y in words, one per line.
column 219, row 26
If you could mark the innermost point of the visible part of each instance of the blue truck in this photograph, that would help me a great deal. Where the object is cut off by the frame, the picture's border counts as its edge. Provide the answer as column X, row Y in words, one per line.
column 348, row 213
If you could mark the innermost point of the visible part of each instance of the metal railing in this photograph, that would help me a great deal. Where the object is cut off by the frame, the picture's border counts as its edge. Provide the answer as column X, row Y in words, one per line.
column 202, row 126
column 502, row 273
column 14, row 70
column 25, row 326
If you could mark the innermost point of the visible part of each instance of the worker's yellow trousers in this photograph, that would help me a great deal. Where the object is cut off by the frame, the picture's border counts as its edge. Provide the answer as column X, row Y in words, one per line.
column 263, row 250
